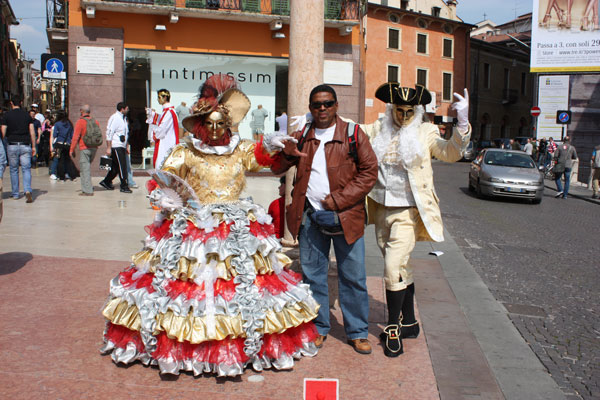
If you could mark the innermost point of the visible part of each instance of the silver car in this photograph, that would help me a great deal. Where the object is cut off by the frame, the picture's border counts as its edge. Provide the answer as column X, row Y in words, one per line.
column 506, row 173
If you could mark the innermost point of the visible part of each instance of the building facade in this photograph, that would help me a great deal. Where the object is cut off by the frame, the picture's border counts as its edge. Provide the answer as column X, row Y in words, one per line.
column 413, row 42
column 8, row 53
column 116, row 50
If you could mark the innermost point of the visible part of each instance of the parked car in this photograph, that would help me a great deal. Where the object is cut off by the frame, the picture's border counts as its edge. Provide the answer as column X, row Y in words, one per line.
column 470, row 152
column 506, row 173
column 483, row 144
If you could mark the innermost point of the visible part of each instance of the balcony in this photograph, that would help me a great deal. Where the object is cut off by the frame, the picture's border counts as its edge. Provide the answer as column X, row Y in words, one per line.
column 57, row 25
column 337, row 12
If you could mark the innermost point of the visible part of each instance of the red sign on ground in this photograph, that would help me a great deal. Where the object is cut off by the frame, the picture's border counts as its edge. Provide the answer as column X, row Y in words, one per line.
column 321, row 389
column 535, row 111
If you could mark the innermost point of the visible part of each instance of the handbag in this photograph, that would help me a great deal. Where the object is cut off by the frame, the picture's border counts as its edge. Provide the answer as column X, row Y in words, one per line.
column 327, row 221
column 558, row 168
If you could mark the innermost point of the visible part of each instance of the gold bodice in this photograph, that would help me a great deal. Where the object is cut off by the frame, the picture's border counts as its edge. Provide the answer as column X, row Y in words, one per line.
column 214, row 178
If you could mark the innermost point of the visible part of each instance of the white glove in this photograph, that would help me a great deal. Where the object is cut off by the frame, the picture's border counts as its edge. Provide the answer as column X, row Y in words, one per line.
column 277, row 141
column 274, row 141
column 462, row 110
column 150, row 113
column 299, row 121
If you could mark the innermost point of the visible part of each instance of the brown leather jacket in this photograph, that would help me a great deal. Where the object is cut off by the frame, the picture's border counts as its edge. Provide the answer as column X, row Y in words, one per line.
column 349, row 181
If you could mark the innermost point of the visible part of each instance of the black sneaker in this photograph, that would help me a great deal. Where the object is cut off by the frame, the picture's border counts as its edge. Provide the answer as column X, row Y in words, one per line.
column 106, row 186
column 391, row 341
column 126, row 190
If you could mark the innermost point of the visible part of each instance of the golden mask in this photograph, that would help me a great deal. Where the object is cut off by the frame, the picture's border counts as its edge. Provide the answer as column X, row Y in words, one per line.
column 403, row 115
column 216, row 124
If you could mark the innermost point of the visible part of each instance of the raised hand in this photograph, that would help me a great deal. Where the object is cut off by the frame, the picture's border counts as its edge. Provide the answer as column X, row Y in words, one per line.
column 462, row 110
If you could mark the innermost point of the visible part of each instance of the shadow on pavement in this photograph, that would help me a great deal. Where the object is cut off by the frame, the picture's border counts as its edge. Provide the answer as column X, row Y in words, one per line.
column 12, row 262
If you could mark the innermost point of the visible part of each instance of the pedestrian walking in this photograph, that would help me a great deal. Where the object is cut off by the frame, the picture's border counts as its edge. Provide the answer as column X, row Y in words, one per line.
column 62, row 167
column 37, row 128
column 595, row 171
column 18, row 131
column 117, row 132
column 182, row 111
column 528, row 148
column 86, row 154
column 563, row 156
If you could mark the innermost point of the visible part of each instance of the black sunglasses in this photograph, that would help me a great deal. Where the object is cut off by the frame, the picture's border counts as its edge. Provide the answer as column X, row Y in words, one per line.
column 318, row 104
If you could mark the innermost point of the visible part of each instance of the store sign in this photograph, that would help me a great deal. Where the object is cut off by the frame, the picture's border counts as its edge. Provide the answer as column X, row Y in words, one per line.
column 553, row 95
column 183, row 74
column 558, row 48
column 95, row 60
column 338, row 72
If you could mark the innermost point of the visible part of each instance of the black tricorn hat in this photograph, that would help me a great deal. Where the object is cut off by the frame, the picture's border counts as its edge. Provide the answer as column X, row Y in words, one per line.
column 392, row 92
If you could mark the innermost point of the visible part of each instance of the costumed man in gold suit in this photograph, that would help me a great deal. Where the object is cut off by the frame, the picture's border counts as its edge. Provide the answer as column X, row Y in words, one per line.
column 211, row 291
column 403, row 203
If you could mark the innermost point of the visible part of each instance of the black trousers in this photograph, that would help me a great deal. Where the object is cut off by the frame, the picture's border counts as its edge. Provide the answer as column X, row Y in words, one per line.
column 119, row 166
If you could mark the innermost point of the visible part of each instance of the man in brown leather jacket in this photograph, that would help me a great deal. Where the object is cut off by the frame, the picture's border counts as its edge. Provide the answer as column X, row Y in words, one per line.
column 331, row 177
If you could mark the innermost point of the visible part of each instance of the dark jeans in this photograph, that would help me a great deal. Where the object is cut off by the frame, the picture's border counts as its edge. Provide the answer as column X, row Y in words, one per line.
column 119, row 166
column 557, row 180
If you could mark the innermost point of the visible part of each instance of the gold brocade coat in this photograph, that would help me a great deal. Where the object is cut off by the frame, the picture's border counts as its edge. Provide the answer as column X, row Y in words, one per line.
column 215, row 178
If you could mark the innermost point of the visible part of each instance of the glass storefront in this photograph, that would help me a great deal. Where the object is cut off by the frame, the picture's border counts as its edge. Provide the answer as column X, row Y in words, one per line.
column 262, row 79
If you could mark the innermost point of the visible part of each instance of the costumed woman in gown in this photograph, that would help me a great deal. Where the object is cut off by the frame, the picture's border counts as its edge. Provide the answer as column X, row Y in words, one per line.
column 211, row 291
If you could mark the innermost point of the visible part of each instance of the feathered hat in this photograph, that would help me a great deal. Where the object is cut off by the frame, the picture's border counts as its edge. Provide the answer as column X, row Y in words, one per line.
column 219, row 93
column 392, row 92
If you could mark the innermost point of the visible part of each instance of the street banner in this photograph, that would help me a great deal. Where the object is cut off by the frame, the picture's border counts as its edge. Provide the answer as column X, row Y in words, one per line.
column 553, row 95
column 565, row 39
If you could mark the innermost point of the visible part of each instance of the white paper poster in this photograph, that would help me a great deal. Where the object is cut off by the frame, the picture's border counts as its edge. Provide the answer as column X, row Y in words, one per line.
column 183, row 74
column 565, row 39
column 553, row 95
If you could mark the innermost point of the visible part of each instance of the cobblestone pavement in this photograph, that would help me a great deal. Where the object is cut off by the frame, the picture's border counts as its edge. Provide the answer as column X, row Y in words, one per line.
column 540, row 261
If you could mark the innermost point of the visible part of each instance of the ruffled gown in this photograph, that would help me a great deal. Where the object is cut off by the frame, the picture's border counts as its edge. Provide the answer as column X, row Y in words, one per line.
column 210, row 292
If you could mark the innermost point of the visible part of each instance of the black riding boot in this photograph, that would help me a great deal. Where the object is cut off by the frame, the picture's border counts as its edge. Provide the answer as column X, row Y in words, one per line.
column 390, row 337
column 408, row 323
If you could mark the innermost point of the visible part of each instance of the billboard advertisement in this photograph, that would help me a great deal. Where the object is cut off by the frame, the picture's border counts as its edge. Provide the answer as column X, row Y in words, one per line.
column 565, row 36
column 183, row 74
column 553, row 95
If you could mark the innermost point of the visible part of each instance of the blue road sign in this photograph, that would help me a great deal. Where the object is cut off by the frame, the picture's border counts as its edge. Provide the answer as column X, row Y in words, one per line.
column 55, row 66
column 563, row 117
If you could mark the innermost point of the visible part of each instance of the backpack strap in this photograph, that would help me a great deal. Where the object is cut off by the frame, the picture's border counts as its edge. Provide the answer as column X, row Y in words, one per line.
column 353, row 140
column 303, row 137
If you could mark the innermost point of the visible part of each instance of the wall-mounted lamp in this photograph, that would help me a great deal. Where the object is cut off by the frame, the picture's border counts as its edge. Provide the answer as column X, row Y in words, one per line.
column 90, row 12
column 275, row 25
column 173, row 18
column 160, row 28
column 278, row 35
column 345, row 30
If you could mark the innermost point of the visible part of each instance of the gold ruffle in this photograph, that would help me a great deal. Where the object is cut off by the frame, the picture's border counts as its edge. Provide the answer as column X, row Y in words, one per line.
column 185, row 267
column 119, row 312
column 194, row 329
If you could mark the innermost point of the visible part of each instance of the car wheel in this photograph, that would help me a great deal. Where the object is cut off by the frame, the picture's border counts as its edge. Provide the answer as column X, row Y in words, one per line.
column 471, row 187
column 536, row 200
column 478, row 190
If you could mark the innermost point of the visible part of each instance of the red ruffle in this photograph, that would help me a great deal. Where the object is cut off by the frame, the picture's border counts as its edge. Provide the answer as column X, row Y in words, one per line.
column 262, row 158
column 122, row 336
column 158, row 232
column 151, row 185
column 221, row 232
column 223, row 288
column 228, row 351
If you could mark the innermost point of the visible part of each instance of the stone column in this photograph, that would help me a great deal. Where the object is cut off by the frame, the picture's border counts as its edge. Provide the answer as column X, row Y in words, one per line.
column 306, row 68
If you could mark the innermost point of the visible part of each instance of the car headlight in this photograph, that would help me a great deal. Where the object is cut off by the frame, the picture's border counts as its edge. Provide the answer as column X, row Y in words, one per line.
column 497, row 180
